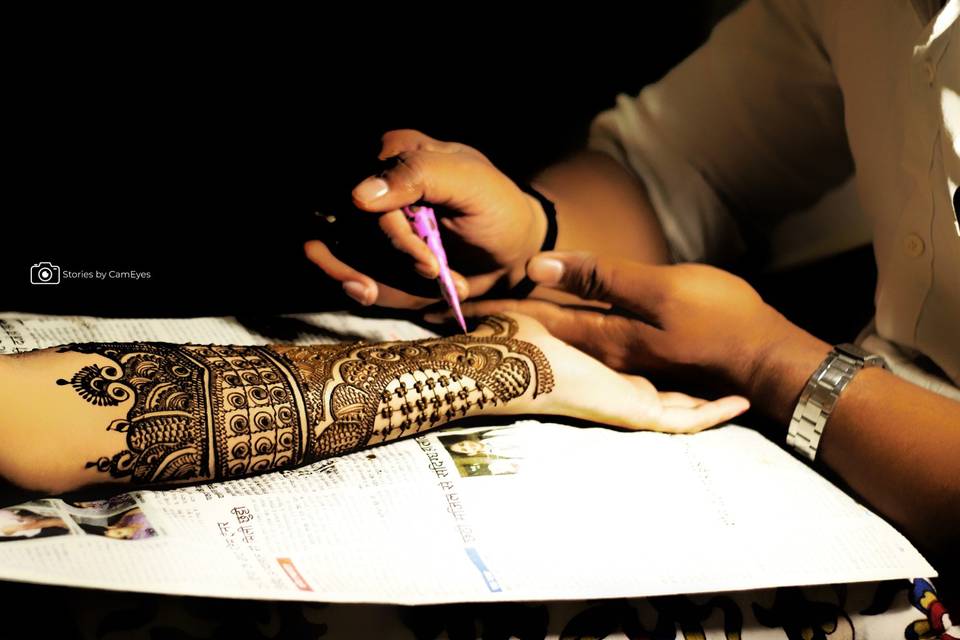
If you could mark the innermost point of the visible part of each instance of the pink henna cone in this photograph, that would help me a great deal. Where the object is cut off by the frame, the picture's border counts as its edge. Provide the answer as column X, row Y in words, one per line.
column 424, row 223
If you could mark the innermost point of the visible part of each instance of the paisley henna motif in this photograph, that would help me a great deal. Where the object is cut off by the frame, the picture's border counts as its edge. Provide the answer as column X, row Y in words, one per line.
column 215, row 412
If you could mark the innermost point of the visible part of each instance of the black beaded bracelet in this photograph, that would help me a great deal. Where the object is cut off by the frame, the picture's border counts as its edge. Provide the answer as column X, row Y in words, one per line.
column 526, row 286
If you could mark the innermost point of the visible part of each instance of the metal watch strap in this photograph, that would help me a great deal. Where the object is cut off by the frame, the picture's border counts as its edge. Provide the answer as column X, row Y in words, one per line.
column 820, row 396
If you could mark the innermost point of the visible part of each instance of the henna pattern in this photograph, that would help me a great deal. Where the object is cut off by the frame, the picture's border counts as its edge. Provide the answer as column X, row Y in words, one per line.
column 198, row 411
column 215, row 412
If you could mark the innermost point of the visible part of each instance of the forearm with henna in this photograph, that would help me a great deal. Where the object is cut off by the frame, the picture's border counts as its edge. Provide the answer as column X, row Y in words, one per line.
column 195, row 413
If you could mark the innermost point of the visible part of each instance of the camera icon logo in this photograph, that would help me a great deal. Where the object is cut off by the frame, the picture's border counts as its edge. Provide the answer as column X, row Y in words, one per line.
column 44, row 273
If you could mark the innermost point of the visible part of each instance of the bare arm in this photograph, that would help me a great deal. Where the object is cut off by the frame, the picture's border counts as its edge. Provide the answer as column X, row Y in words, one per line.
column 894, row 443
column 592, row 185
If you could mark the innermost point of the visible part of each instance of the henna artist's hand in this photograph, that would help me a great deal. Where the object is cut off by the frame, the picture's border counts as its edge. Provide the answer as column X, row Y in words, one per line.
column 686, row 318
column 588, row 389
column 498, row 226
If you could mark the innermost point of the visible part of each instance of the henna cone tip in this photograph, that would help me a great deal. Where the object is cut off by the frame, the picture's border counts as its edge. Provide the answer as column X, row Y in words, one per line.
column 461, row 321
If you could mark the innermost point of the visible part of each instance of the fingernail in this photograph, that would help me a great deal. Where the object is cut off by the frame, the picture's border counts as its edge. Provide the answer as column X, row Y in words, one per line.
column 358, row 291
column 545, row 270
column 427, row 271
column 371, row 189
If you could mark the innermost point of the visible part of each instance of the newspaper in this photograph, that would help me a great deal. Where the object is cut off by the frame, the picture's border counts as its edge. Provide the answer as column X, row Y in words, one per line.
column 522, row 511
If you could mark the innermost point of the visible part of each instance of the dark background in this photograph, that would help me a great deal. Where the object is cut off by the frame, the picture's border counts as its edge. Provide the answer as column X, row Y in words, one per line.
column 198, row 148
column 199, row 152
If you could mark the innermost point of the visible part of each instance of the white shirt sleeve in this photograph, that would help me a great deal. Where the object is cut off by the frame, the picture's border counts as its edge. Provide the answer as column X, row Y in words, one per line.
column 745, row 131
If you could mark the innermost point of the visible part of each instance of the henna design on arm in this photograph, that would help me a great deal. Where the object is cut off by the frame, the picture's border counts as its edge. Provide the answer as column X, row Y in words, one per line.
column 217, row 412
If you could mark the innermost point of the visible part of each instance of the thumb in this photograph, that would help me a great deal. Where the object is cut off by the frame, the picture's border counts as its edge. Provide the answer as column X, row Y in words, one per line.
column 624, row 283
column 449, row 179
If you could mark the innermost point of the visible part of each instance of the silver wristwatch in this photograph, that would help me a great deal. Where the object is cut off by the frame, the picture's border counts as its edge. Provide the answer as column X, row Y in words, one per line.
column 821, row 393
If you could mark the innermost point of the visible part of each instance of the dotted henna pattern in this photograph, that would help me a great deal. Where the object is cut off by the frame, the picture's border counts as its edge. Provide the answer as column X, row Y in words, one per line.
column 215, row 412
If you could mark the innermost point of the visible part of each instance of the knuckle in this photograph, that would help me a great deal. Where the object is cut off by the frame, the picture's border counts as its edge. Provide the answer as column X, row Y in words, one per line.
column 411, row 172
column 470, row 152
column 660, row 350
column 399, row 135
column 616, row 357
column 614, row 360
column 588, row 280
column 615, row 354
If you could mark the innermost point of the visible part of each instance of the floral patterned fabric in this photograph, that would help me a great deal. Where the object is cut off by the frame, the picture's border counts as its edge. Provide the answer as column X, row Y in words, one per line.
column 886, row 610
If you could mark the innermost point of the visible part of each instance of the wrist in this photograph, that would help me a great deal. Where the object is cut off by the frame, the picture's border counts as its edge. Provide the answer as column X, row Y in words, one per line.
column 780, row 368
column 534, row 234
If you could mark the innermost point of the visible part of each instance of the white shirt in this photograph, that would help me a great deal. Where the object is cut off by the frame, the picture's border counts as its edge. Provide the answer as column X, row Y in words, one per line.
column 783, row 103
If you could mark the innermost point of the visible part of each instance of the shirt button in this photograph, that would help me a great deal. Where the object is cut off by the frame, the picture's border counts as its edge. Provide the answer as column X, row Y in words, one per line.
column 929, row 71
column 913, row 245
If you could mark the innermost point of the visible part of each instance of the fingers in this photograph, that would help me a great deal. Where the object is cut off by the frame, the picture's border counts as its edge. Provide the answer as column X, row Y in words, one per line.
column 684, row 414
column 632, row 285
column 365, row 289
column 562, row 323
column 426, row 168
column 397, row 228
column 681, row 400
column 547, row 313
column 402, row 140
column 440, row 177
column 358, row 286
column 672, row 412
column 392, row 298
column 528, row 328
column 623, row 344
